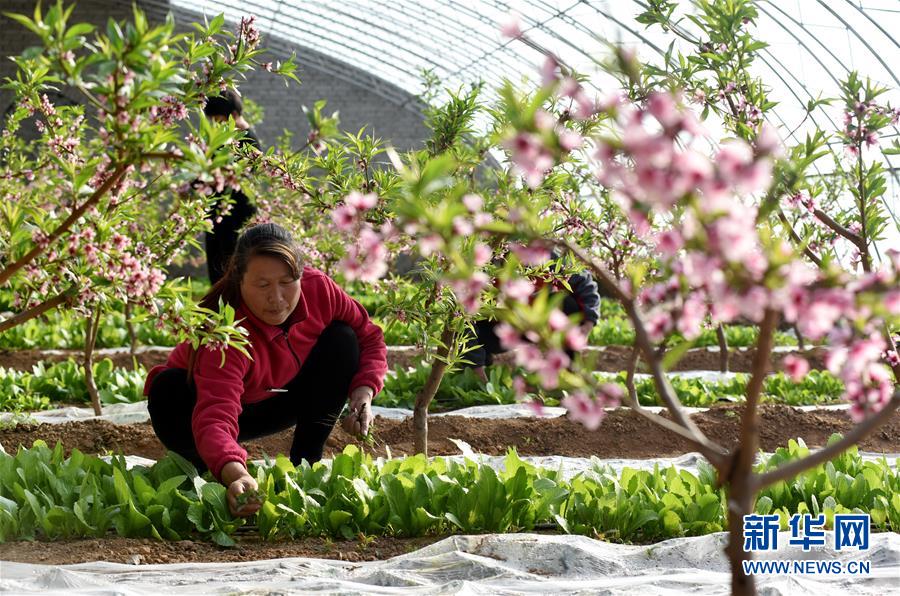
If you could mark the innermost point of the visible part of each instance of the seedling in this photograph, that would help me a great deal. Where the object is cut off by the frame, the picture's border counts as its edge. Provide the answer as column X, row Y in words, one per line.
column 250, row 496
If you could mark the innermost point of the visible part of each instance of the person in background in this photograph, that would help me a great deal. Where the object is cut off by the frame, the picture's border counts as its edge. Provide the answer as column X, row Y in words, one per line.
column 221, row 241
column 582, row 297
column 312, row 348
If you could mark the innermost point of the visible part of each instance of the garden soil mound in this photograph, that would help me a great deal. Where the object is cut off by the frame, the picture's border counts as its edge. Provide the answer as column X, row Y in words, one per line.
column 608, row 358
column 623, row 434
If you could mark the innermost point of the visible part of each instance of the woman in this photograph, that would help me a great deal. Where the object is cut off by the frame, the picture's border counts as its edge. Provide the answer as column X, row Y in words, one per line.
column 311, row 346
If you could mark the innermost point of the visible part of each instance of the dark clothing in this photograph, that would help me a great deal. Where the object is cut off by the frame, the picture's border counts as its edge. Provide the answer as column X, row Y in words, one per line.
column 222, row 240
column 311, row 403
column 584, row 298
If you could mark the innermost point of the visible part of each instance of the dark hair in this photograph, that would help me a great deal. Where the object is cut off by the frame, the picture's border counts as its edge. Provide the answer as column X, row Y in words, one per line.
column 225, row 104
column 267, row 239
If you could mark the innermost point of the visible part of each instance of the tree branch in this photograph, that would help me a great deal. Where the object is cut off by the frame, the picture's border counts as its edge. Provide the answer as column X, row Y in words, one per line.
column 859, row 432
column 711, row 451
column 31, row 313
column 642, row 340
column 841, row 230
column 12, row 269
column 797, row 240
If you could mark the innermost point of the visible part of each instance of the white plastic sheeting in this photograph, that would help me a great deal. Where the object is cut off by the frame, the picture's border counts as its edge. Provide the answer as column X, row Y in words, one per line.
column 487, row 564
column 137, row 412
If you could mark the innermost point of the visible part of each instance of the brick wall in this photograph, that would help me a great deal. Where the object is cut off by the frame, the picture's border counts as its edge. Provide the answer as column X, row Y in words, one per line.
column 392, row 114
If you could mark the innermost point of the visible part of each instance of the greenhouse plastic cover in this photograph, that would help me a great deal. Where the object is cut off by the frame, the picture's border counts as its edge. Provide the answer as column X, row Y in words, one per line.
column 486, row 564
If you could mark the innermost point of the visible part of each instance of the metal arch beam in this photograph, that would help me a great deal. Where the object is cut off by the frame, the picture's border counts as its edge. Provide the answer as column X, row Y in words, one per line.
column 863, row 41
column 874, row 22
column 816, row 57
column 388, row 46
column 776, row 114
column 422, row 11
column 272, row 26
column 338, row 38
column 427, row 12
column 309, row 56
column 328, row 65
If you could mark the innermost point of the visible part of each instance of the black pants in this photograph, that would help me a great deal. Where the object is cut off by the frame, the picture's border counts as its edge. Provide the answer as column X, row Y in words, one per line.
column 221, row 242
column 486, row 337
column 312, row 403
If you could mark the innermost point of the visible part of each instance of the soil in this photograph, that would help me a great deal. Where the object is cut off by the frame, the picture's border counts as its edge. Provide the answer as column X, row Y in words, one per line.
column 623, row 434
column 608, row 358
column 141, row 551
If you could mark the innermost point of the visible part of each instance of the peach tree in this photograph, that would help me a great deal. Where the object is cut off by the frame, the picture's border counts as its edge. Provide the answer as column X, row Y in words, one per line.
column 114, row 187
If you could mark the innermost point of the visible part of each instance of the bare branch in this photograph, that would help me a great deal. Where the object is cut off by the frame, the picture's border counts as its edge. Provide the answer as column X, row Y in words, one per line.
column 797, row 240
column 859, row 432
column 36, row 311
column 841, row 230
column 710, row 450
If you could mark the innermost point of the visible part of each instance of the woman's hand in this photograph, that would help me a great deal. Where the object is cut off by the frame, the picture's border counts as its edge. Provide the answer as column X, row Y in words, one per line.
column 235, row 476
column 360, row 416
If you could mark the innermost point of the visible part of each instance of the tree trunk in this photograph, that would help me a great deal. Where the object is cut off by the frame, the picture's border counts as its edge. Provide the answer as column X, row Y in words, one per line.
column 132, row 336
column 801, row 344
column 723, row 348
column 427, row 393
column 90, row 338
column 740, row 503
column 629, row 375
column 740, row 480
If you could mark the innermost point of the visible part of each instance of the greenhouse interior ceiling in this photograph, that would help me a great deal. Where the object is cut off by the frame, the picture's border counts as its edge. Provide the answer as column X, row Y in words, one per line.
column 812, row 45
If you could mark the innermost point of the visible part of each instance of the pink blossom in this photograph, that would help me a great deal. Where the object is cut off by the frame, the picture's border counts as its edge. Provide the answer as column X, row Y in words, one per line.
column 733, row 158
column 544, row 120
column 558, row 320
column 576, row 339
column 768, row 142
column 549, row 71
column 753, row 303
column 512, row 27
column 662, row 107
column 583, row 409
column 892, row 358
column 692, row 314
column 892, row 302
column 519, row 387
column 795, row 367
column 555, row 362
column 462, row 226
column 529, row 356
column 509, row 338
column 659, row 323
column 430, row 244
column 533, row 254
column 570, row 140
column 530, row 157
column 734, row 236
column 473, row 202
column 481, row 254
column 519, row 290
column 668, row 243
column 536, row 406
column 482, row 219
column 361, row 202
column 468, row 291
column 344, row 216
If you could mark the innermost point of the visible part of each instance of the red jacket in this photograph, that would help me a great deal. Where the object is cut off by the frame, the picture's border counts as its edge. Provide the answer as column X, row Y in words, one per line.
column 277, row 357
